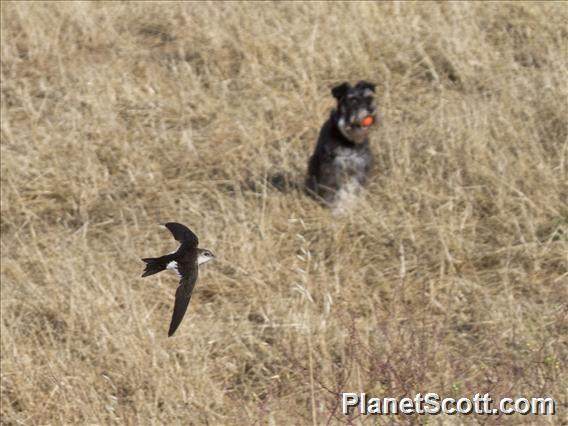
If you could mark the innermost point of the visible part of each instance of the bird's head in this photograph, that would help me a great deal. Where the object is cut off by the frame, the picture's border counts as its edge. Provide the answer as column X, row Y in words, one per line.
column 204, row 255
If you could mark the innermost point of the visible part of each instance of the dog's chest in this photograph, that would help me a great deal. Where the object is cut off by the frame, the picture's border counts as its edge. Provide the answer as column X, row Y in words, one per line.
column 351, row 163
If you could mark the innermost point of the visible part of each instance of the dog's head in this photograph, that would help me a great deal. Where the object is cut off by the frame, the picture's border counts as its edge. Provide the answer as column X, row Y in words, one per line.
column 356, row 109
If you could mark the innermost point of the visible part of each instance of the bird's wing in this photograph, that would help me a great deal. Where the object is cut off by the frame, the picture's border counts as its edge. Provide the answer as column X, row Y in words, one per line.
column 182, row 234
column 183, row 295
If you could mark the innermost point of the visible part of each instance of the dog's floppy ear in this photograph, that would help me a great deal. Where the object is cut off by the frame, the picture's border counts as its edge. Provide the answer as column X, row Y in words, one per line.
column 366, row 85
column 339, row 91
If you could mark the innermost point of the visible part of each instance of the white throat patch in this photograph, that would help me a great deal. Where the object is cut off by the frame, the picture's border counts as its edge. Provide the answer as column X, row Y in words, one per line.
column 202, row 259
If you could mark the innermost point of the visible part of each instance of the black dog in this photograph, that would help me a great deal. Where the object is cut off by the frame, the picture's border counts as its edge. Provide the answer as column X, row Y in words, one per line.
column 343, row 159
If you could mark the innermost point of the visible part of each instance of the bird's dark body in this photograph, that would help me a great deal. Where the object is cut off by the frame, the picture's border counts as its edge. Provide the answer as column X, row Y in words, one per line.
column 185, row 261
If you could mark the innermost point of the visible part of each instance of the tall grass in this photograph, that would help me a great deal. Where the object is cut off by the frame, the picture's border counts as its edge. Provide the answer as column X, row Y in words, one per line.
column 449, row 276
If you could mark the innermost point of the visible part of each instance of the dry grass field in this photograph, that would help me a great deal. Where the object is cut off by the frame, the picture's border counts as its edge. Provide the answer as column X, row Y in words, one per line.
column 448, row 276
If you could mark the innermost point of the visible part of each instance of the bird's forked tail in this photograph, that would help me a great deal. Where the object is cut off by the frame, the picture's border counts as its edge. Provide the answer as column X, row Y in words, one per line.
column 155, row 265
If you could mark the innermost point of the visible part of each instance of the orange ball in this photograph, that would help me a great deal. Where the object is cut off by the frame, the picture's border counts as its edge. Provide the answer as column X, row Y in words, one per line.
column 367, row 121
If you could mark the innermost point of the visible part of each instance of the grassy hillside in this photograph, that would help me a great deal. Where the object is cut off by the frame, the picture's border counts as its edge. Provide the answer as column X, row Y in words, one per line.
column 449, row 276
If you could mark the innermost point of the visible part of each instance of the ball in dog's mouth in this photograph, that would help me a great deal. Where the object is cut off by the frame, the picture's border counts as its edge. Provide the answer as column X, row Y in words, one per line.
column 367, row 121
